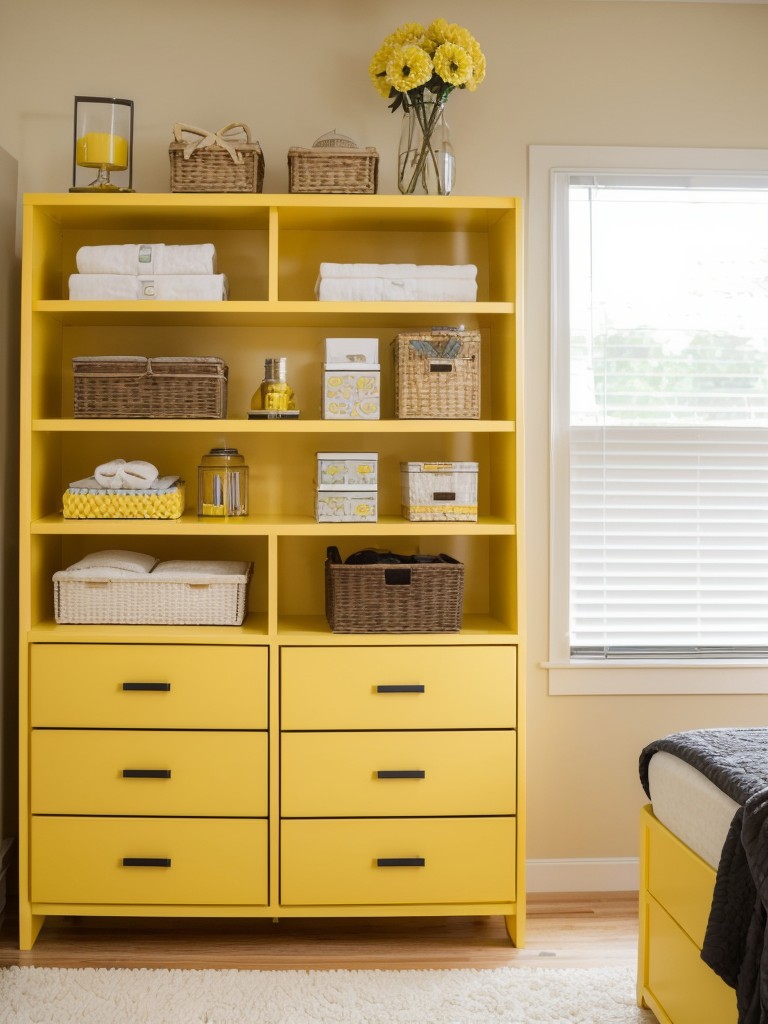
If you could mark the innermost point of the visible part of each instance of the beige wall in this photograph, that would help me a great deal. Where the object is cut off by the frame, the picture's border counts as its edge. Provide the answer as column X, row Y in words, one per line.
column 560, row 72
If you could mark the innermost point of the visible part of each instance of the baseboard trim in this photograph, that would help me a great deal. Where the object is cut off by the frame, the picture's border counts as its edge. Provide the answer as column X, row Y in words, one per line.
column 587, row 874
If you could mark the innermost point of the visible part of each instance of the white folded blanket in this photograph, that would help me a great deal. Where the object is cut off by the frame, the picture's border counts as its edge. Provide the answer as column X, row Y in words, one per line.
column 141, row 260
column 90, row 484
column 164, row 288
column 376, row 289
column 465, row 271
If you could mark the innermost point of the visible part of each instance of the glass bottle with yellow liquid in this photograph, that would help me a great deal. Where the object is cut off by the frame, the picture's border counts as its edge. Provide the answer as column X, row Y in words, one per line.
column 274, row 398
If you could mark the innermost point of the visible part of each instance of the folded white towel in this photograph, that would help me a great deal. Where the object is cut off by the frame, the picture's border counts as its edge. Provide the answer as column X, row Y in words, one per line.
column 461, row 271
column 164, row 288
column 376, row 289
column 119, row 473
column 115, row 560
column 108, row 473
column 140, row 260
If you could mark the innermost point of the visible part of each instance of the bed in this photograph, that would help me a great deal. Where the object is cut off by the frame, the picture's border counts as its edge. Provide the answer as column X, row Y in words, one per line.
column 704, row 877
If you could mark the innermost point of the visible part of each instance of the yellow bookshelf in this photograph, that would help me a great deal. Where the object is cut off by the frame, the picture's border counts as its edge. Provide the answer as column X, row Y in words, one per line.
column 250, row 838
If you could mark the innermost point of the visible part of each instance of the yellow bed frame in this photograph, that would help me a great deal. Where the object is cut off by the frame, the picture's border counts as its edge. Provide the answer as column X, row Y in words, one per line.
column 675, row 896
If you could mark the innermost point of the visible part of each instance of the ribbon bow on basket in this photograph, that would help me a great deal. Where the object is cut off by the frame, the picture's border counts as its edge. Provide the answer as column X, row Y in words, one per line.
column 226, row 138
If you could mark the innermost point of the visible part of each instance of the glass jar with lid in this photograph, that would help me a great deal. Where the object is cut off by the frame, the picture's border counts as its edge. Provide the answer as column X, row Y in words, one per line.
column 222, row 483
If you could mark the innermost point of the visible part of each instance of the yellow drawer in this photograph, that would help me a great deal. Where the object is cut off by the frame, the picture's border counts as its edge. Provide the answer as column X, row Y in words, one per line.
column 680, row 880
column 77, row 771
column 340, row 774
column 398, row 687
column 134, row 686
column 191, row 861
column 397, row 861
column 689, row 992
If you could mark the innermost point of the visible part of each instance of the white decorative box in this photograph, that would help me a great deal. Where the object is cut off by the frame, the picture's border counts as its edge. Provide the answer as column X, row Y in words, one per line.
column 130, row 588
column 347, row 470
column 439, row 491
column 346, row 506
column 351, row 379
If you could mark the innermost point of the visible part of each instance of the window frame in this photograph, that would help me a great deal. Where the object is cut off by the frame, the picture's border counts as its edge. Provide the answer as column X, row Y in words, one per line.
column 549, row 170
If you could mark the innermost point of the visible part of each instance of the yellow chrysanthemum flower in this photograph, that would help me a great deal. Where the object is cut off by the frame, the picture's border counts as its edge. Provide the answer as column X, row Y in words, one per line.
column 437, row 30
column 458, row 35
column 377, row 69
column 478, row 68
column 453, row 64
column 408, row 68
column 410, row 32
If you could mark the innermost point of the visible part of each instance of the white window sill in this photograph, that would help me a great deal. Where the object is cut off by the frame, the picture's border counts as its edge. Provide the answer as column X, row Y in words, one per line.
column 584, row 678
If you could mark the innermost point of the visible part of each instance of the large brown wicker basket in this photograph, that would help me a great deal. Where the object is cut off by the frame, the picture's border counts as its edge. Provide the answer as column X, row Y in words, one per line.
column 232, row 163
column 410, row 598
column 334, row 163
column 437, row 374
column 134, row 387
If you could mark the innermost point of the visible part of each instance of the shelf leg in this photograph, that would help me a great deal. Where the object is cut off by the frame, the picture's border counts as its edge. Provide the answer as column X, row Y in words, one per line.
column 29, row 927
column 515, row 929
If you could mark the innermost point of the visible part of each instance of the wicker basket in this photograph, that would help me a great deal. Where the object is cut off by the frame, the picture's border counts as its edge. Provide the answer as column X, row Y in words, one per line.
column 334, row 163
column 409, row 598
column 177, row 596
column 434, row 492
column 223, row 161
column 437, row 374
column 134, row 387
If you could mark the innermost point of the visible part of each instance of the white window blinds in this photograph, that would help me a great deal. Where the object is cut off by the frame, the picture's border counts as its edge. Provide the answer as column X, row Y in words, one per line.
column 667, row 428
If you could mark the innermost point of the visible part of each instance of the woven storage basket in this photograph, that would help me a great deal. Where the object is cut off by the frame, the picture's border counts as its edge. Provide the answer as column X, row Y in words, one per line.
column 437, row 374
column 134, row 387
column 223, row 161
column 334, row 163
column 124, row 504
column 416, row 598
column 434, row 492
column 190, row 598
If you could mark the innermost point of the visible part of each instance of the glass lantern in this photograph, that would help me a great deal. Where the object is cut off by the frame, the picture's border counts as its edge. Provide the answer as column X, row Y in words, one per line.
column 103, row 144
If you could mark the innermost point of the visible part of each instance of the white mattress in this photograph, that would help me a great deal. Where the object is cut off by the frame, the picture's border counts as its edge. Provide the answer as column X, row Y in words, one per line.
column 690, row 805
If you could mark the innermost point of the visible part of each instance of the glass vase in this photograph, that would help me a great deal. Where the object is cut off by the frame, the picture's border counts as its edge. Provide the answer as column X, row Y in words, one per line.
column 426, row 164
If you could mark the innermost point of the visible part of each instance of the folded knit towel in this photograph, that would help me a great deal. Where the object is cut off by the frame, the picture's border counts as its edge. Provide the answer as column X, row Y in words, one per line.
column 376, row 289
column 451, row 271
column 201, row 569
column 165, row 288
column 114, row 561
column 141, row 260
column 119, row 473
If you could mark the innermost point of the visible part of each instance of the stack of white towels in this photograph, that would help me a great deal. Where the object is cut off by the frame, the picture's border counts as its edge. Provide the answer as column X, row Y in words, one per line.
column 403, row 282
column 170, row 273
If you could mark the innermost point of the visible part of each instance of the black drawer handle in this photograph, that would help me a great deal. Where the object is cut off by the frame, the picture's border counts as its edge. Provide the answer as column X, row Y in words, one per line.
column 440, row 367
column 401, row 862
column 146, row 773
column 444, row 496
column 400, row 688
column 408, row 773
column 154, row 687
column 146, row 862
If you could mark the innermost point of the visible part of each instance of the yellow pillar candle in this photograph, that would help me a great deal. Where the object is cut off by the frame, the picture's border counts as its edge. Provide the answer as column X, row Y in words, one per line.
column 102, row 149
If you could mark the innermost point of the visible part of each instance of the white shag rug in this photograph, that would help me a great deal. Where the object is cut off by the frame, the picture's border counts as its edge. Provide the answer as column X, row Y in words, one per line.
column 506, row 995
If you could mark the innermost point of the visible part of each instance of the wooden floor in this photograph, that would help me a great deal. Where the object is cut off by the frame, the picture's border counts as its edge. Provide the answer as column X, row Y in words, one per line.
column 574, row 930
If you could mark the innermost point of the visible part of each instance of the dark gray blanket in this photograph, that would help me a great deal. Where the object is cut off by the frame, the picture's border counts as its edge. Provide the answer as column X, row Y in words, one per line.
column 736, row 943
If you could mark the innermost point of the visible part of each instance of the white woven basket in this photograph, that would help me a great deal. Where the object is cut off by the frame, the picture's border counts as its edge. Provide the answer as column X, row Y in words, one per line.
column 439, row 491
column 178, row 599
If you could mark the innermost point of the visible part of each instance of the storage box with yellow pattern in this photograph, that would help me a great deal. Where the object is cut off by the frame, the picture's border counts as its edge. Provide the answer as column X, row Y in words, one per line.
column 332, row 506
column 124, row 503
column 347, row 470
column 439, row 491
column 351, row 379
